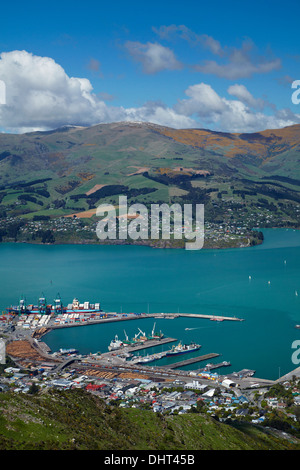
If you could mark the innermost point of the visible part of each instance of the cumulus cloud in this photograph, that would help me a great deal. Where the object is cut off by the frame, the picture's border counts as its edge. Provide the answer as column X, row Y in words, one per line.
column 160, row 114
column 40, row 96
column 232, row 115
column 241, row 92
column 202, row 101
column 153, row 56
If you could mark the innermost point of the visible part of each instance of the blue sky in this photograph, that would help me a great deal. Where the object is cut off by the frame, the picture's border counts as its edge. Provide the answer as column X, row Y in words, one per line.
column 220, row 65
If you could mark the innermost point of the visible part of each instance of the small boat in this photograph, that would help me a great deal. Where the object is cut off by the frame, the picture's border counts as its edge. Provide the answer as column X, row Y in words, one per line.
column 146, row 359
column 68, row 351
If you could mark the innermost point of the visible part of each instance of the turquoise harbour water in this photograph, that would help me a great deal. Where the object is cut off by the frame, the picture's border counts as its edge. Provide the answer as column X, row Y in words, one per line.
column 257, row 284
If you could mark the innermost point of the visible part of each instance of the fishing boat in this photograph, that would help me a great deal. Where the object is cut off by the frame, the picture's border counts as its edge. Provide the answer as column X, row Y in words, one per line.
column 183, row 348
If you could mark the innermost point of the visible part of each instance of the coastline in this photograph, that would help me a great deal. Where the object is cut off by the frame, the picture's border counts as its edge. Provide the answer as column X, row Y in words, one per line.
column 33, row 340
column 124, row 318
column 158, row 244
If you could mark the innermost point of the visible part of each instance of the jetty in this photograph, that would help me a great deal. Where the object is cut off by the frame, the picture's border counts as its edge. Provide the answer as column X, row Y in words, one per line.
column 209, row 367
column 192, row 360
column 217, row 318
column 150, row 343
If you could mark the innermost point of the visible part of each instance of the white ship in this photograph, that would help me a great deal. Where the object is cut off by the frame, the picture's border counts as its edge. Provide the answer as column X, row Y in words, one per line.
column 115, row 344
column 183, row 348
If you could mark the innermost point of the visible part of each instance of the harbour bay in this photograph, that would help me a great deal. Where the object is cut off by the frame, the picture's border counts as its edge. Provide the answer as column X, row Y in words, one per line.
column 259, row 284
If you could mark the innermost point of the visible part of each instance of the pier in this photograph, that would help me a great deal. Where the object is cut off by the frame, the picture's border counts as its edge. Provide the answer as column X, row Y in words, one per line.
column 115, row 317
column 218, row 318
column 192, row 360
column 209, row 367
column 150, row 343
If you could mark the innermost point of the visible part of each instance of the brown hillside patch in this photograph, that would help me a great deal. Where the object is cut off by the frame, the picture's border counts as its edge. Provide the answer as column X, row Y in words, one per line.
column 263, row 144
column 95, row 188
column 139, row 170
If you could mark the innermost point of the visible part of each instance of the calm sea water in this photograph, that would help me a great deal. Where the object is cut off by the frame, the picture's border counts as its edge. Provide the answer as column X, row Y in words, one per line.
column 257, row 284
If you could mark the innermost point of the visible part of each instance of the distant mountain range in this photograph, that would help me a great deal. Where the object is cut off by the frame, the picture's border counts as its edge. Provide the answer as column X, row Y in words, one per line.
column 73, row 168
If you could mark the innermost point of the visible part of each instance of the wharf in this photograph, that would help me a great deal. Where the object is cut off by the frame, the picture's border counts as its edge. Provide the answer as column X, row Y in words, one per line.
column 116, row 317
column 150, row 343
column 217, row 318
column 209, row 367
column 192, row 360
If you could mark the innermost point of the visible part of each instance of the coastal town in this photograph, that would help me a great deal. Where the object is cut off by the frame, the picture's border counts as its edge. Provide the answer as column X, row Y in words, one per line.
column 121, row 377
column 80, row 230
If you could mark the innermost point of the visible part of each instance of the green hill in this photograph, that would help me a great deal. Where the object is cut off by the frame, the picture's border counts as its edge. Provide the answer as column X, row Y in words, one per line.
column 72, row 170
column 78, row 420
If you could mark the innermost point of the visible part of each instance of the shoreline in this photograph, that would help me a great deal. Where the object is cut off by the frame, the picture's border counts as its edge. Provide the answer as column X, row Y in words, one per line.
column 164, row 245
column 33, row 337
column 34, row 343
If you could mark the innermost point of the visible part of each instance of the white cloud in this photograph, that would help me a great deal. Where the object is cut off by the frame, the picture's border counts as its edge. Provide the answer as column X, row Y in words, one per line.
column 205, row 105
column 41, row 96
column 241, row 92
column 159, row 114
column 203, row 101
column 153, row 56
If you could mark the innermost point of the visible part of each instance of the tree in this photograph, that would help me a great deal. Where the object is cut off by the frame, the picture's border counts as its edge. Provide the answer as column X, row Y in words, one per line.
column 34, row 389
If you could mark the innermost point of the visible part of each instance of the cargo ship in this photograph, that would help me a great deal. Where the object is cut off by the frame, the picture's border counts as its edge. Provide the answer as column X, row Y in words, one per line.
column 141, row 336
column 57, row 307
column 115, row 344
column 155, row 334
column 183, row 348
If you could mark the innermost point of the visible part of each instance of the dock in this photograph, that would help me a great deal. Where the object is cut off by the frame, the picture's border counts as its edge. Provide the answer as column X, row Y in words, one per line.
column 217, row 318
column 192, row 360
column 150, row 343
column 209, row 367
column 116, row 317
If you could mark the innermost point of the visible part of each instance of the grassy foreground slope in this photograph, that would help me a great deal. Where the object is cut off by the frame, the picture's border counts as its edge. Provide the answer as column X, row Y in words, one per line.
column 78, row 420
